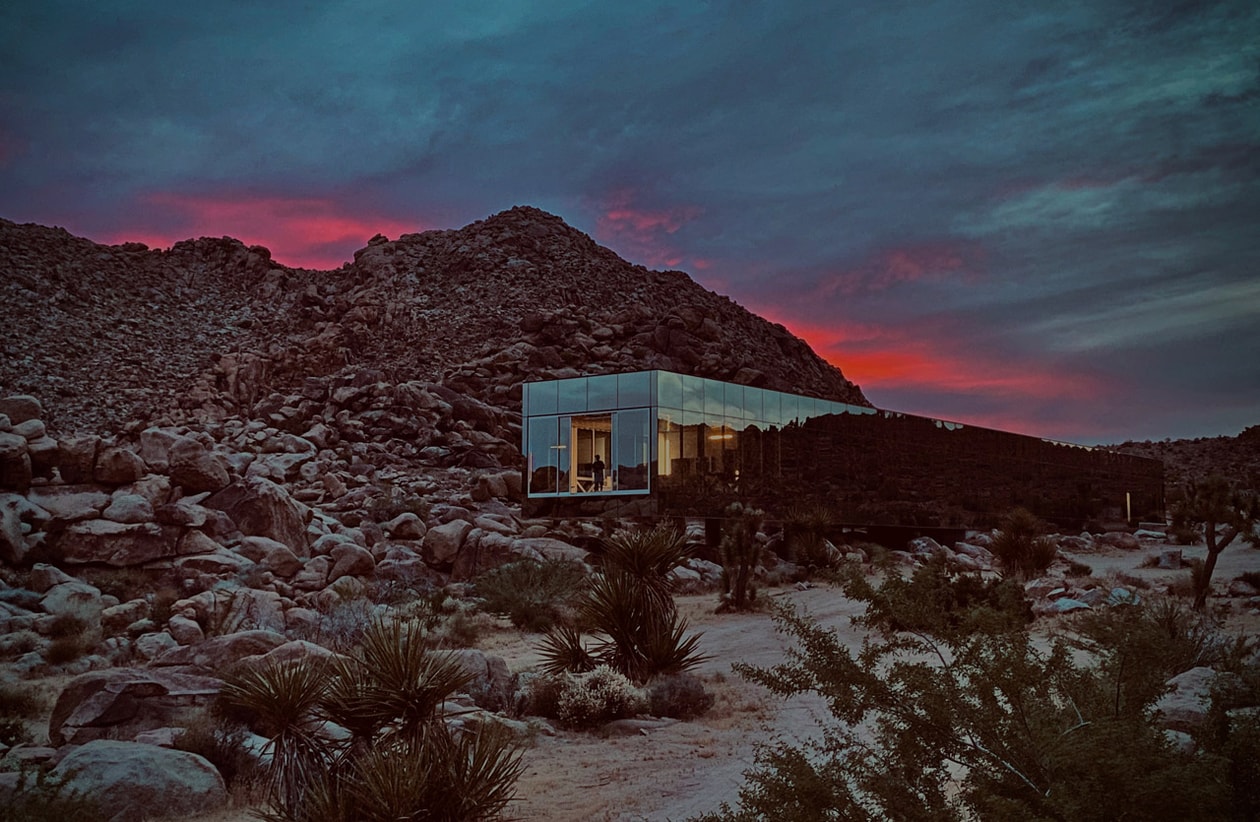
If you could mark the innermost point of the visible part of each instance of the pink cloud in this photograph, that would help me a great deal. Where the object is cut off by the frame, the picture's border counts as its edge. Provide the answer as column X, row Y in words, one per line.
column 304, row 232
column 640, row 233
column 922, row 262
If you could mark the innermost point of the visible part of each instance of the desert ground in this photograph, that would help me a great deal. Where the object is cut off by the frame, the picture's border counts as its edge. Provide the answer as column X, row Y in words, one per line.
column 672, row 770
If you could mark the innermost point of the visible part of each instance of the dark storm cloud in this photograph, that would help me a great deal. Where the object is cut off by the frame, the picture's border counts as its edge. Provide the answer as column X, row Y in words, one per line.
column 962, row 205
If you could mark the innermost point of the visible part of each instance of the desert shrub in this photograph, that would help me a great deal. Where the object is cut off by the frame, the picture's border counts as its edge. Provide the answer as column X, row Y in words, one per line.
column 65, row 649
column 20, row 700
column 682, row 696
column 124, row 583
column 65, row 626
column 221, row 741
column 949, row 724
column 1019, row 546
column 740, row 554
column 1252, row 578
column 160, row 602
column 540, row 694
column 534, row 595
column 462, row 629
column 935, row 600
column 598, row 696
column 20, row 642
column 1149, row 561
column 395, row 501
column 41, row 797
column 630, row 606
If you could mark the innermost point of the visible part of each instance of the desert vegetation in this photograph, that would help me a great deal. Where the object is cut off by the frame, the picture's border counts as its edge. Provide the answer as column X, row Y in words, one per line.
column 956, row 712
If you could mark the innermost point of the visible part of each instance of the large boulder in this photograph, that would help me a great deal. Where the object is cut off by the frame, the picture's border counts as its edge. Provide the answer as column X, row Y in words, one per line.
column 119, row 703
column 129, row 508
column 20, row 408
column 442, row 542
column 76, row 458
column 116, row 543
column 492, row 684
column 12, row 530
column 1184, row 707
column 118, row 466
column 350, row 559
column 221, row 653
column 69, row 503
column 261, row 508
column 135, row 781
column 194, row 468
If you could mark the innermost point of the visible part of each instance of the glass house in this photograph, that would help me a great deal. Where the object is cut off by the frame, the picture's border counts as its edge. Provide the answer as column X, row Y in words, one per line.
column 658, row 443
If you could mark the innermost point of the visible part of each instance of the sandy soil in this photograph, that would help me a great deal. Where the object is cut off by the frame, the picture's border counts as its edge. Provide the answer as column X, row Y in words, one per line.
column 685, row 768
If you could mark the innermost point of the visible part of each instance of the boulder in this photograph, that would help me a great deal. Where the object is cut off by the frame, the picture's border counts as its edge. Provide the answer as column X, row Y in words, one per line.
column 21, row 407
column 194, row 468
column 76, row 458
column 1186, row 704
column 261, row 508
column 351, row 560
column 1170, row 559
column 1119, row 539
column 136, row 781
column 152, row 645
column 492, row 684
column 69, row 503
column 118, row 703
column 405, row 526
column 115, row 543
column 44, row 577
column 442, row 542
column 118, row 466
column 43, row 453
column 155, row 447
column 548, row 548
column 220, row 653
column 15, row 463
column 12, row 533
column 184, row 630
column 128, row 508
column 74, row 598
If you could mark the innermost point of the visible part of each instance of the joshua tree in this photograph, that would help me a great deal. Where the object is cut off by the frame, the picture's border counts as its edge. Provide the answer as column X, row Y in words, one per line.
column 740, row 552
column 1215, row 504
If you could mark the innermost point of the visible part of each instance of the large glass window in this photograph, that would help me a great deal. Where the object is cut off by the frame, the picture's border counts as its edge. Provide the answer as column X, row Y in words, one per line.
column 713, row 397
column 668, row 441
column 635, row 390
column 592, row 439
column 632, row 450
column 693, row 394
column 669, row 389
column 601, row 393
column 541, row 397
column 572, row 395
column 548, row 458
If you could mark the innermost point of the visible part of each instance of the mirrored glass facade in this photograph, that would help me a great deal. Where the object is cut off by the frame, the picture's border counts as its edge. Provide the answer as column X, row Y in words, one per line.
column 684, row 445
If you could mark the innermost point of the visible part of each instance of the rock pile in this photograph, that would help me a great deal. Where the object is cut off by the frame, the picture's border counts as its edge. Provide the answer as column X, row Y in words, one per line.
column 111, row 335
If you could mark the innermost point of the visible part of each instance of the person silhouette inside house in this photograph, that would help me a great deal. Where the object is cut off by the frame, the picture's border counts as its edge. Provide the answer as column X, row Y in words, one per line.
column 597, row 472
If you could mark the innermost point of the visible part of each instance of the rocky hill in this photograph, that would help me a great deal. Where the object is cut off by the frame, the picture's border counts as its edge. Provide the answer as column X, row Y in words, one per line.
column 1237, row 458
column 108, row 336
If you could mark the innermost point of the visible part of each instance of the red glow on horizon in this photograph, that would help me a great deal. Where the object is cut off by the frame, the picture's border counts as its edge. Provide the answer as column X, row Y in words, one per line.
column 300, row 232
column 878, row 358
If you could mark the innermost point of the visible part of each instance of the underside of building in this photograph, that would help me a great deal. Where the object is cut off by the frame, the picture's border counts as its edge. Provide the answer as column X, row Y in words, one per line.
column 656, row 443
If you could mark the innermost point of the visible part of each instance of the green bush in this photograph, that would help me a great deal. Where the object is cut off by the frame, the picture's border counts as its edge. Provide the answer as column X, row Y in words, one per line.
column 681, row 696
column 63, row 650
column 805, row 532
column 595, row 697
column 534, row 595
column 942, row 723
column 1019, row 547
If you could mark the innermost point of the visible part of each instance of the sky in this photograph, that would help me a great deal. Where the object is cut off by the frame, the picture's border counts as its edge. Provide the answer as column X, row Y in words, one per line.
column 1040, row 217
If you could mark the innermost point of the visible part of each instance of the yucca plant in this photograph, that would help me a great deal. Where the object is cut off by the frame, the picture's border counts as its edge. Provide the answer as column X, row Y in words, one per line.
column 1019, row 546
column 630, row 607
column 805, row 530
column 740, row 553
column 281, row 699
column 401, row 761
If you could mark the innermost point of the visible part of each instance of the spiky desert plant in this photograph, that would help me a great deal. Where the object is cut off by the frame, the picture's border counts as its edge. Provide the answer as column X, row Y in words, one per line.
column 281, row 699
column 805, row 530
column 1019, row 546
column 630, row 607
